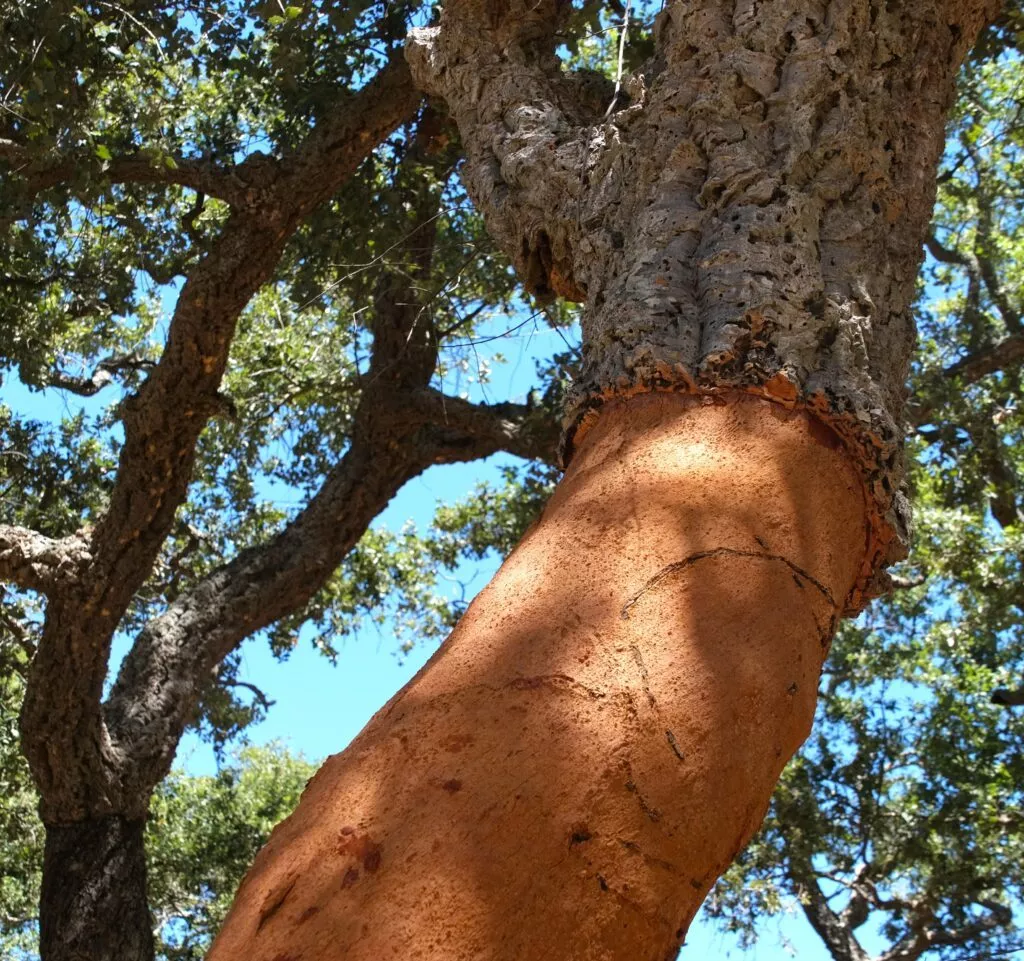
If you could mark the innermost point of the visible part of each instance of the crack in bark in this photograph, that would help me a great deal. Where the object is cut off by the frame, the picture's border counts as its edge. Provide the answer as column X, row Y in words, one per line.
column 674, row 568
column 634, row 848
column 275, row 901
column 674, row 744
column 669, row 734
column 652, row 813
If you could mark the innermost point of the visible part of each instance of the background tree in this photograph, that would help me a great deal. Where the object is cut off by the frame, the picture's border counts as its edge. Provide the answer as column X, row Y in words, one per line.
column 201, row 835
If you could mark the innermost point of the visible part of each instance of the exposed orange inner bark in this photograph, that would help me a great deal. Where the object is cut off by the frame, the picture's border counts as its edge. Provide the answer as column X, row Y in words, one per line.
column 600, row 736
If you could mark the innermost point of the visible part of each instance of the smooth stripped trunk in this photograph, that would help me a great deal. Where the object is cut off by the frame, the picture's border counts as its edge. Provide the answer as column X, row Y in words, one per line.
column 599, row 737
column 93, row 905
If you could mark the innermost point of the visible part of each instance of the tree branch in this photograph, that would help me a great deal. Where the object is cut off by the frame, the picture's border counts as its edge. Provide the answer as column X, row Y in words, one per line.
column 1008, row 698
column 72, row 758
column 522, row 429
column 318, row 167
column 41, row 172
column 32, row 561
column 927, row 934
column 100, row 377
column 1000, row 297
column 834, row 929
column 303, row 179
column 1006, row 355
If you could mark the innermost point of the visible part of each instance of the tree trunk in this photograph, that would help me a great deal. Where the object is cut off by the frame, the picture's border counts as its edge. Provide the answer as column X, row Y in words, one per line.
column 601, row 734
column 93, row 905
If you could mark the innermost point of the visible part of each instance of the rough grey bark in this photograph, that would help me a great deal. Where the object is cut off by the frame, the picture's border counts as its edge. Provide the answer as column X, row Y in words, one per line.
column 752, row 219
column 94, row 892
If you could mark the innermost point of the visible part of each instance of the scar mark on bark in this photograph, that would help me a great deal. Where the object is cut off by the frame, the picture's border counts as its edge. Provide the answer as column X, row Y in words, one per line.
column 558, row 682
column 635, row 848
column 645, row 677
column 671, row 569
column 274, row 900
column 653, row 814
column 639, row 658
column 674, row 744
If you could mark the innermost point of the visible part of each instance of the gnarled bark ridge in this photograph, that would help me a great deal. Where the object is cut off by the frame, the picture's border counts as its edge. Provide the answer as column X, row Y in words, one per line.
column 751, row 220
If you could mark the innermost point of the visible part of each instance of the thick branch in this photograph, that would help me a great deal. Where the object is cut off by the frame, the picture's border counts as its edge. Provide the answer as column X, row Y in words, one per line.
column 310, row 174
column 400, row 428
column 521, row 429
column 835, row 930
column 1009, row 352
column 394, row 440
column 515, row 112
column 317, row 169
column 35, row 562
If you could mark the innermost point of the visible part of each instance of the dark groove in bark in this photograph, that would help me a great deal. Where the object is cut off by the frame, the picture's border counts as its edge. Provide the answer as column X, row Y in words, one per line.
column 671, row 569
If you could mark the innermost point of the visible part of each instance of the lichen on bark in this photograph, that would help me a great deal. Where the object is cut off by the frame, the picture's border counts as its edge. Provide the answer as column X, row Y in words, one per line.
column 751, row 220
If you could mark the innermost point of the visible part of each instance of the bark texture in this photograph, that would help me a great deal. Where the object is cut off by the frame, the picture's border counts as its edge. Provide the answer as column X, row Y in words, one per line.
column 751, row 220
column 601, row 734
column 94, row 892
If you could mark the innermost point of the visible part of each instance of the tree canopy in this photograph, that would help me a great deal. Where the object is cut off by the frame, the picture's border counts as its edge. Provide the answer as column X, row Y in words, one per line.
column 245, row 299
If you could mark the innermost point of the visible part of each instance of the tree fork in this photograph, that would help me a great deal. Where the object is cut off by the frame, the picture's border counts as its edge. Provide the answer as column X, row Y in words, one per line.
column 93, row 903
column 601, row 734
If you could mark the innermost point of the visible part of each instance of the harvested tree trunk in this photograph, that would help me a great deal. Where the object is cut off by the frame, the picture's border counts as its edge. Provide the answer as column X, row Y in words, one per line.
column 600, row 736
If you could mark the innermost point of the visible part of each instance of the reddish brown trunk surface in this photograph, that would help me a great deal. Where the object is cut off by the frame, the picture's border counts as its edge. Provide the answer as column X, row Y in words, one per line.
column 601, row 734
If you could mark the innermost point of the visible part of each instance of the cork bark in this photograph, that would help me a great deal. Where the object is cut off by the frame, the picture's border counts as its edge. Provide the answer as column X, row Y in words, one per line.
column 601, row 734
column 750, row 219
